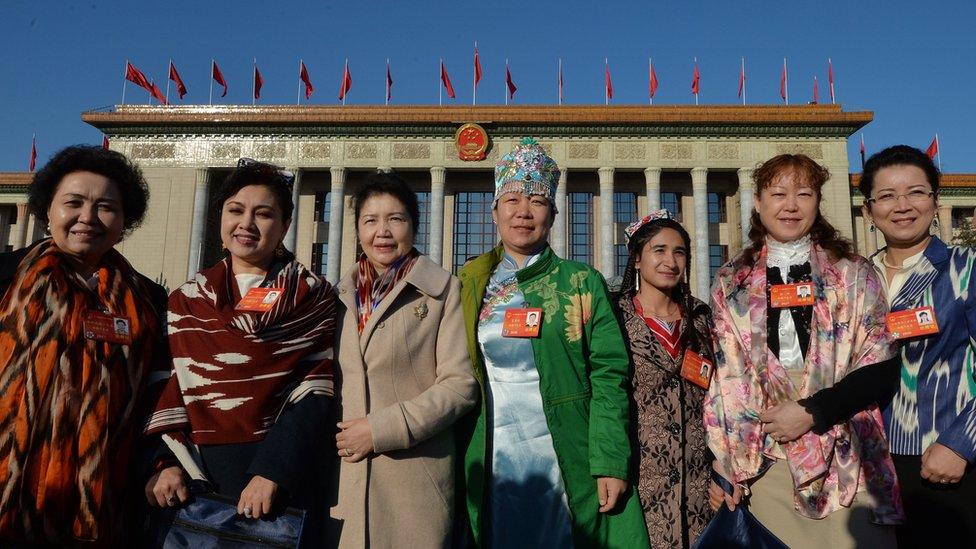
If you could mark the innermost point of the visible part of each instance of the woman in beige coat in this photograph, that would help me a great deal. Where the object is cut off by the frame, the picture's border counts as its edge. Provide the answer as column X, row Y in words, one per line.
column 405, row 379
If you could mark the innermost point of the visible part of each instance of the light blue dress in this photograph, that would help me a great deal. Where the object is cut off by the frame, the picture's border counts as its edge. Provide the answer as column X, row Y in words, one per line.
column 526, row 494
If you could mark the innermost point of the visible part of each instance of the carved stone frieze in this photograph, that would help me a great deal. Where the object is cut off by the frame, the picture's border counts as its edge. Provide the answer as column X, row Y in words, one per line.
column 723, row 151
column 809, row 149
column 315, row 151
column 588, row 151
column 223, row 151
column 411, row 151
column 154, row 150
column 676, row 151
column 361, row 150
column 629, row 151
column 270, row 151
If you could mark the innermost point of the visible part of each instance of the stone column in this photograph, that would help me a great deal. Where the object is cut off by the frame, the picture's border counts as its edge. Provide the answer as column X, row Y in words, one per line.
column 699, row 185
column 335, row 224
column 945, row 223
column 652, row 180
column 291, row 237
column 558, row 236
column 746, row 192
column 870, row 237
column 198, row 223
column 20, row 229
column 436, row 247
column 605, row 220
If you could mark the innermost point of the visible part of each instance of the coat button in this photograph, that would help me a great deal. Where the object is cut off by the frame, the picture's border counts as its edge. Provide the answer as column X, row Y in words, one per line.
column 674, row 428
column 673, row 382
column 381, row 325
column 342, row 291
column 674, row 477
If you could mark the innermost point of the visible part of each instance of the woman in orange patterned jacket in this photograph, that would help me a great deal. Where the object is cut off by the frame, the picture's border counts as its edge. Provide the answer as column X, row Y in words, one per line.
column 78, row 330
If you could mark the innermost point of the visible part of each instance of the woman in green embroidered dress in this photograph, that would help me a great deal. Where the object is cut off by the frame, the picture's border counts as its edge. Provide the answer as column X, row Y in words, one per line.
column 547, row 458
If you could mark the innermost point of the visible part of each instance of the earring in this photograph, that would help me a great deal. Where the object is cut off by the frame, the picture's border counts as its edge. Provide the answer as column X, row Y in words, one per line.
column 637, row 280
column 872, row 228
column 935, row 222
column 280, row 250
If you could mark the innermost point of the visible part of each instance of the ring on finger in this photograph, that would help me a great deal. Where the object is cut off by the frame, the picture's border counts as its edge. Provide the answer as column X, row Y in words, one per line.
column 348, row 453
column 171, row 500
column 247, row 512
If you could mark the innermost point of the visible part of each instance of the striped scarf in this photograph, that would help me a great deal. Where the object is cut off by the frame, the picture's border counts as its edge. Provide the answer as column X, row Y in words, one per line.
column 372, row 287
column 67, row 403
column 233, row 371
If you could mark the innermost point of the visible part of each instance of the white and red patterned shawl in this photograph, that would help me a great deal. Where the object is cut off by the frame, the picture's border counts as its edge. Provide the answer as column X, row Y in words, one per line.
column 233, row 371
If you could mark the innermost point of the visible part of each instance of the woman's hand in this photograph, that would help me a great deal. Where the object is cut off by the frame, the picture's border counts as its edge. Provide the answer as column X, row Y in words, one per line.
column 786, row 421
column 609, row 490
column 717, row 495
column 257, row 497
column 354, row 441
column 941, row 465
column 166, row 488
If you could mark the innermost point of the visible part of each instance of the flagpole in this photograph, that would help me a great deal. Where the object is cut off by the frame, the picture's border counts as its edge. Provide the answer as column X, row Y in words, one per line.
column 786, row 81
column 125, row 72
column 298, row 98
column 559, row 83
column 212, row 62
column 345, row 92
column 938, row 151
column 743, row 80
column 254, row 82
column 650, row 67
column 699, row 82
column 606, row 89
column 386, row 98
column 440, row 84
column 474, row 77
column 830, row 65
column 168, row 79
column 506, row 82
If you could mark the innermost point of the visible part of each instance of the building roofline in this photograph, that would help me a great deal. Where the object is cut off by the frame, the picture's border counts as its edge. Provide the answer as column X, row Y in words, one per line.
column 16, row 178
column 950, row 180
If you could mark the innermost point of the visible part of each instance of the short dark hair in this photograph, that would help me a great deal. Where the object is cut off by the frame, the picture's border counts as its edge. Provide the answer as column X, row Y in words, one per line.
column 258, row 173
column 897, row 155
column 112, row 165
column 393, row 185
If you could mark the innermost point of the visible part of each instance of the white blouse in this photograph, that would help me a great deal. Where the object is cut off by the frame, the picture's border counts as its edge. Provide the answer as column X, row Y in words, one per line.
column 784, row 255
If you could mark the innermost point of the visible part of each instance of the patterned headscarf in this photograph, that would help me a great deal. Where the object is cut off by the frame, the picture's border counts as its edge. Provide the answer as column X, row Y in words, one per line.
column 527, row 169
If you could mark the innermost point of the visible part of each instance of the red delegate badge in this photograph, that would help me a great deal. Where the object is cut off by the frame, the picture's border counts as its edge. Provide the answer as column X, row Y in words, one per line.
column 696, row 369
column 522, row 323
column 791, row 295
column 105, row 327
column 259, row 300
column 913, row 322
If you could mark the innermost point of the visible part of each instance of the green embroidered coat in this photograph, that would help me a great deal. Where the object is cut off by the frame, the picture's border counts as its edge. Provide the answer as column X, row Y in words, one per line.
column 584, row 375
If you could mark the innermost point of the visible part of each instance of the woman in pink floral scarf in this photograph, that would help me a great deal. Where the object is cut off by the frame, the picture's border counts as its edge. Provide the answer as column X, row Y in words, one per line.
column 794, row 313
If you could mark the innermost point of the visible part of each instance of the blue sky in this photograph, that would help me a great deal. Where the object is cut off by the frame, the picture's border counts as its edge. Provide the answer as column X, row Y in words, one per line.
column 912, row 63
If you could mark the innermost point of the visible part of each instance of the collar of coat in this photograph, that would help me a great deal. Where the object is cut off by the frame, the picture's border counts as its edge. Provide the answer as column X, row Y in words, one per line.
column 481, row 267
column 935, row 260
column 426, row 276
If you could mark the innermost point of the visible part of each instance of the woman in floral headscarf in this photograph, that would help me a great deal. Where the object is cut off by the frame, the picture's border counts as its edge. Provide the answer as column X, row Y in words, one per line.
column 547, row 462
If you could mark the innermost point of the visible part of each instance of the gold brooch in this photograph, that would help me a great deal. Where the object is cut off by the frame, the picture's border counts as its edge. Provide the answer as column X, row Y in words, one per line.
column 420, row 311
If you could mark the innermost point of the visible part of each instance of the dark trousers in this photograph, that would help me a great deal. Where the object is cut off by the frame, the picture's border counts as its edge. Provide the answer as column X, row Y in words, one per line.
column 937, row 514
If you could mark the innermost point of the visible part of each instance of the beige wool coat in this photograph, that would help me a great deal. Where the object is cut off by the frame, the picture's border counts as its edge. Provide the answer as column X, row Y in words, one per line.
column 409, row 374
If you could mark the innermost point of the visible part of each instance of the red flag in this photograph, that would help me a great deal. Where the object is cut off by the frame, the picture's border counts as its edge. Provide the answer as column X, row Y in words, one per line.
column 816, row 91
column 782, row 82
column 652, row 82
column 389, row 82
column 742, row 77
column 105, row 142
column 33, row 155
column 477, row 66
column 303, row 74
column 258, row 82
column 607, row 82
column 933, row 148
column 136, row 76
column 175, row 77
column 346, row 84
column 508, row 82
column 218, row 77
column 695, row 80
column 830, row 79
column 446, row 80
column 862, row 152
column 155, row 91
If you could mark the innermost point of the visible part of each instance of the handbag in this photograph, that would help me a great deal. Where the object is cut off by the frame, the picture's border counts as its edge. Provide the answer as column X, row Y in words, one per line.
column 738, row 528
column 211, row 521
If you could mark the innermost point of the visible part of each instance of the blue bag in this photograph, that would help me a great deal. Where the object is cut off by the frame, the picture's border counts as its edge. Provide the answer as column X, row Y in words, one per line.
column 210, row 521
column 738, row 528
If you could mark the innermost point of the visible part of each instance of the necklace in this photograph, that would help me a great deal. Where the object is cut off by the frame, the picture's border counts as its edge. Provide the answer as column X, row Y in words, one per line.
column 670, row 315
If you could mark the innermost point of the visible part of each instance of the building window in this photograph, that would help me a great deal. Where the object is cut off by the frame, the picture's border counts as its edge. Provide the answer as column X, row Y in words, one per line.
column 421, row 240
column 474, row 230
column 320, row 250
column 961, row 217
column 624, row 213
column 672, row 203
column 717, row 256
column 716, row 208
column 580, row 226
